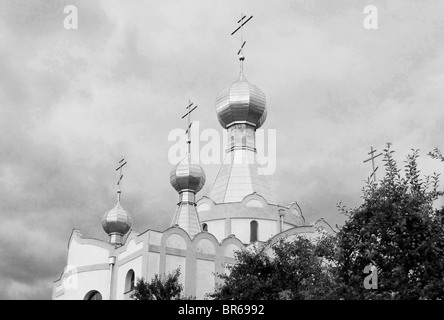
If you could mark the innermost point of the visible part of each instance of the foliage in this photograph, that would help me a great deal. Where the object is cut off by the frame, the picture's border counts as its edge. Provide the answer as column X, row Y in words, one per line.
column 397, row 230
column 295, row 270
column 160, row 288
column 436, row 154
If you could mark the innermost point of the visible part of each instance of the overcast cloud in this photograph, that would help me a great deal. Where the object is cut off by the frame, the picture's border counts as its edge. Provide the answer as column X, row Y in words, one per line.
column 73, row 101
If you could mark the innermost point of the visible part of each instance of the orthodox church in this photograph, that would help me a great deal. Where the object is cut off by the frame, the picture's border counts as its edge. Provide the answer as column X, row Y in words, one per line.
column 240, row 211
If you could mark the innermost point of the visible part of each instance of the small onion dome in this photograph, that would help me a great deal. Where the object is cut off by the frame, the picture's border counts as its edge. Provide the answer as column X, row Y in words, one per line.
column 117, row 220
column 187, row 175
column 242, row 102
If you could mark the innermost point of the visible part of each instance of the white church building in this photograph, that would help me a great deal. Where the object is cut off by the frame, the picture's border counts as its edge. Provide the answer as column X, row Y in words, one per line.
column 239, row 211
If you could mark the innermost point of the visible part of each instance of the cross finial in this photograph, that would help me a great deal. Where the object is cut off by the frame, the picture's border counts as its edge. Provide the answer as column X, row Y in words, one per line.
column 190, row 108
column 121, row 164
column 242, row 22
column 372, row 158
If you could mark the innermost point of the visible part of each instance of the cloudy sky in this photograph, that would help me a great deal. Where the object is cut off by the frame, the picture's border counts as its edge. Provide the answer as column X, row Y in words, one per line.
column 73, row 101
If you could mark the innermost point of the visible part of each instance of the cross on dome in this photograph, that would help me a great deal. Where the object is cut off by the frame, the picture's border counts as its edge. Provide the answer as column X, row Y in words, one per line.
column 190, row 109
column 117, row 222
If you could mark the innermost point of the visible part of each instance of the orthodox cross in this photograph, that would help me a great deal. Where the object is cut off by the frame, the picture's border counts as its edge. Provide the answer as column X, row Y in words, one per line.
column 372, row 158
column 242, row 21
column 190, row 108
column 121, row 164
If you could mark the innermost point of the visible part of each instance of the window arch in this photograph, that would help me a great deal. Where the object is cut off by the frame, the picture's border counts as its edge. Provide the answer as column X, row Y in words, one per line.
column 204, row 227
column 254, row 226
column 129, row 281
column 93, row 295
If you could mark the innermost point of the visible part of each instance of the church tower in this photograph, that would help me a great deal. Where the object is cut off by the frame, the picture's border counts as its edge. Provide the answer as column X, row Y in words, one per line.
column 188, row 178
column 240, row 202
column 241, row 110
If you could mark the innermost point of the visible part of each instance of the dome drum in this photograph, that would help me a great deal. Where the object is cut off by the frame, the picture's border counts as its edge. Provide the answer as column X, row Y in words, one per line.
column 116, row 238
column 187, row 196
column 241, row 136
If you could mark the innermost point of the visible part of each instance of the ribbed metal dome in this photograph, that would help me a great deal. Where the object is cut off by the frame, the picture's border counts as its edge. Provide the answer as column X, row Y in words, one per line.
column 187, row 175
column 242, row 102
column 117, row 220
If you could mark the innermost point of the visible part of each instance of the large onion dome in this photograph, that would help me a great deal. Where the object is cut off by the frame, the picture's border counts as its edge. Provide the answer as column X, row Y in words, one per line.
column 117, row 222
column 187, row 175
column 242, row 102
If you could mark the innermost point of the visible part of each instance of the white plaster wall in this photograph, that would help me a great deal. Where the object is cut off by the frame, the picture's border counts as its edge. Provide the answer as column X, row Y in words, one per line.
column 267, row 229
column 217, row 228
column 230, row 249
column 176, row 241
column 205, row 278
column 136, row 265
column 130, row 249
column 153, row 265
column 86, row 254
column 206, row 246
column 287, row 226
column 203, row 208
column 172, row 263
column 241, row 229
column 86, row 281
column 57, row 288
column 155, row 237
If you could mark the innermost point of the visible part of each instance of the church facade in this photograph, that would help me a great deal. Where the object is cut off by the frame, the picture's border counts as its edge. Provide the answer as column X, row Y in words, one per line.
column 240, row 211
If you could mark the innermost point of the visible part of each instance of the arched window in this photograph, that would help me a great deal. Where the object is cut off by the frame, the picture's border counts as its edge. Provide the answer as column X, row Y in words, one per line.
column 93, row 295
column 204, row 227
column 129, row 281
column 253, row 231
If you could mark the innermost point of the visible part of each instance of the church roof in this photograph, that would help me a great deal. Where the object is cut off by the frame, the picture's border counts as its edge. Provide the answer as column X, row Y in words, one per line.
column 186, row 217
column 238, row 178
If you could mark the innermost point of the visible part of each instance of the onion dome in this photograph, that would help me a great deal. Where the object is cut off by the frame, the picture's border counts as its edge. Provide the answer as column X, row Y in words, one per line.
column 187, row 175
column 242, row 102
column 116, row 223
column 188, row 178
column 117, row 220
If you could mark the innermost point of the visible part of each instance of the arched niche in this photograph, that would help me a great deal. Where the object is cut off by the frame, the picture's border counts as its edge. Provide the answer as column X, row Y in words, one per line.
column 205, row 246
column 93, row 295
column 176, row 241
column 230, row 250
column 254, row 231
column 130, row 281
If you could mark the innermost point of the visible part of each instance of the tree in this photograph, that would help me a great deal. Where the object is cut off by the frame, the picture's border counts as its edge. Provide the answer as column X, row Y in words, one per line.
column 160, row 288
column 436, row 154
column 397, row 230
column 296, row 269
